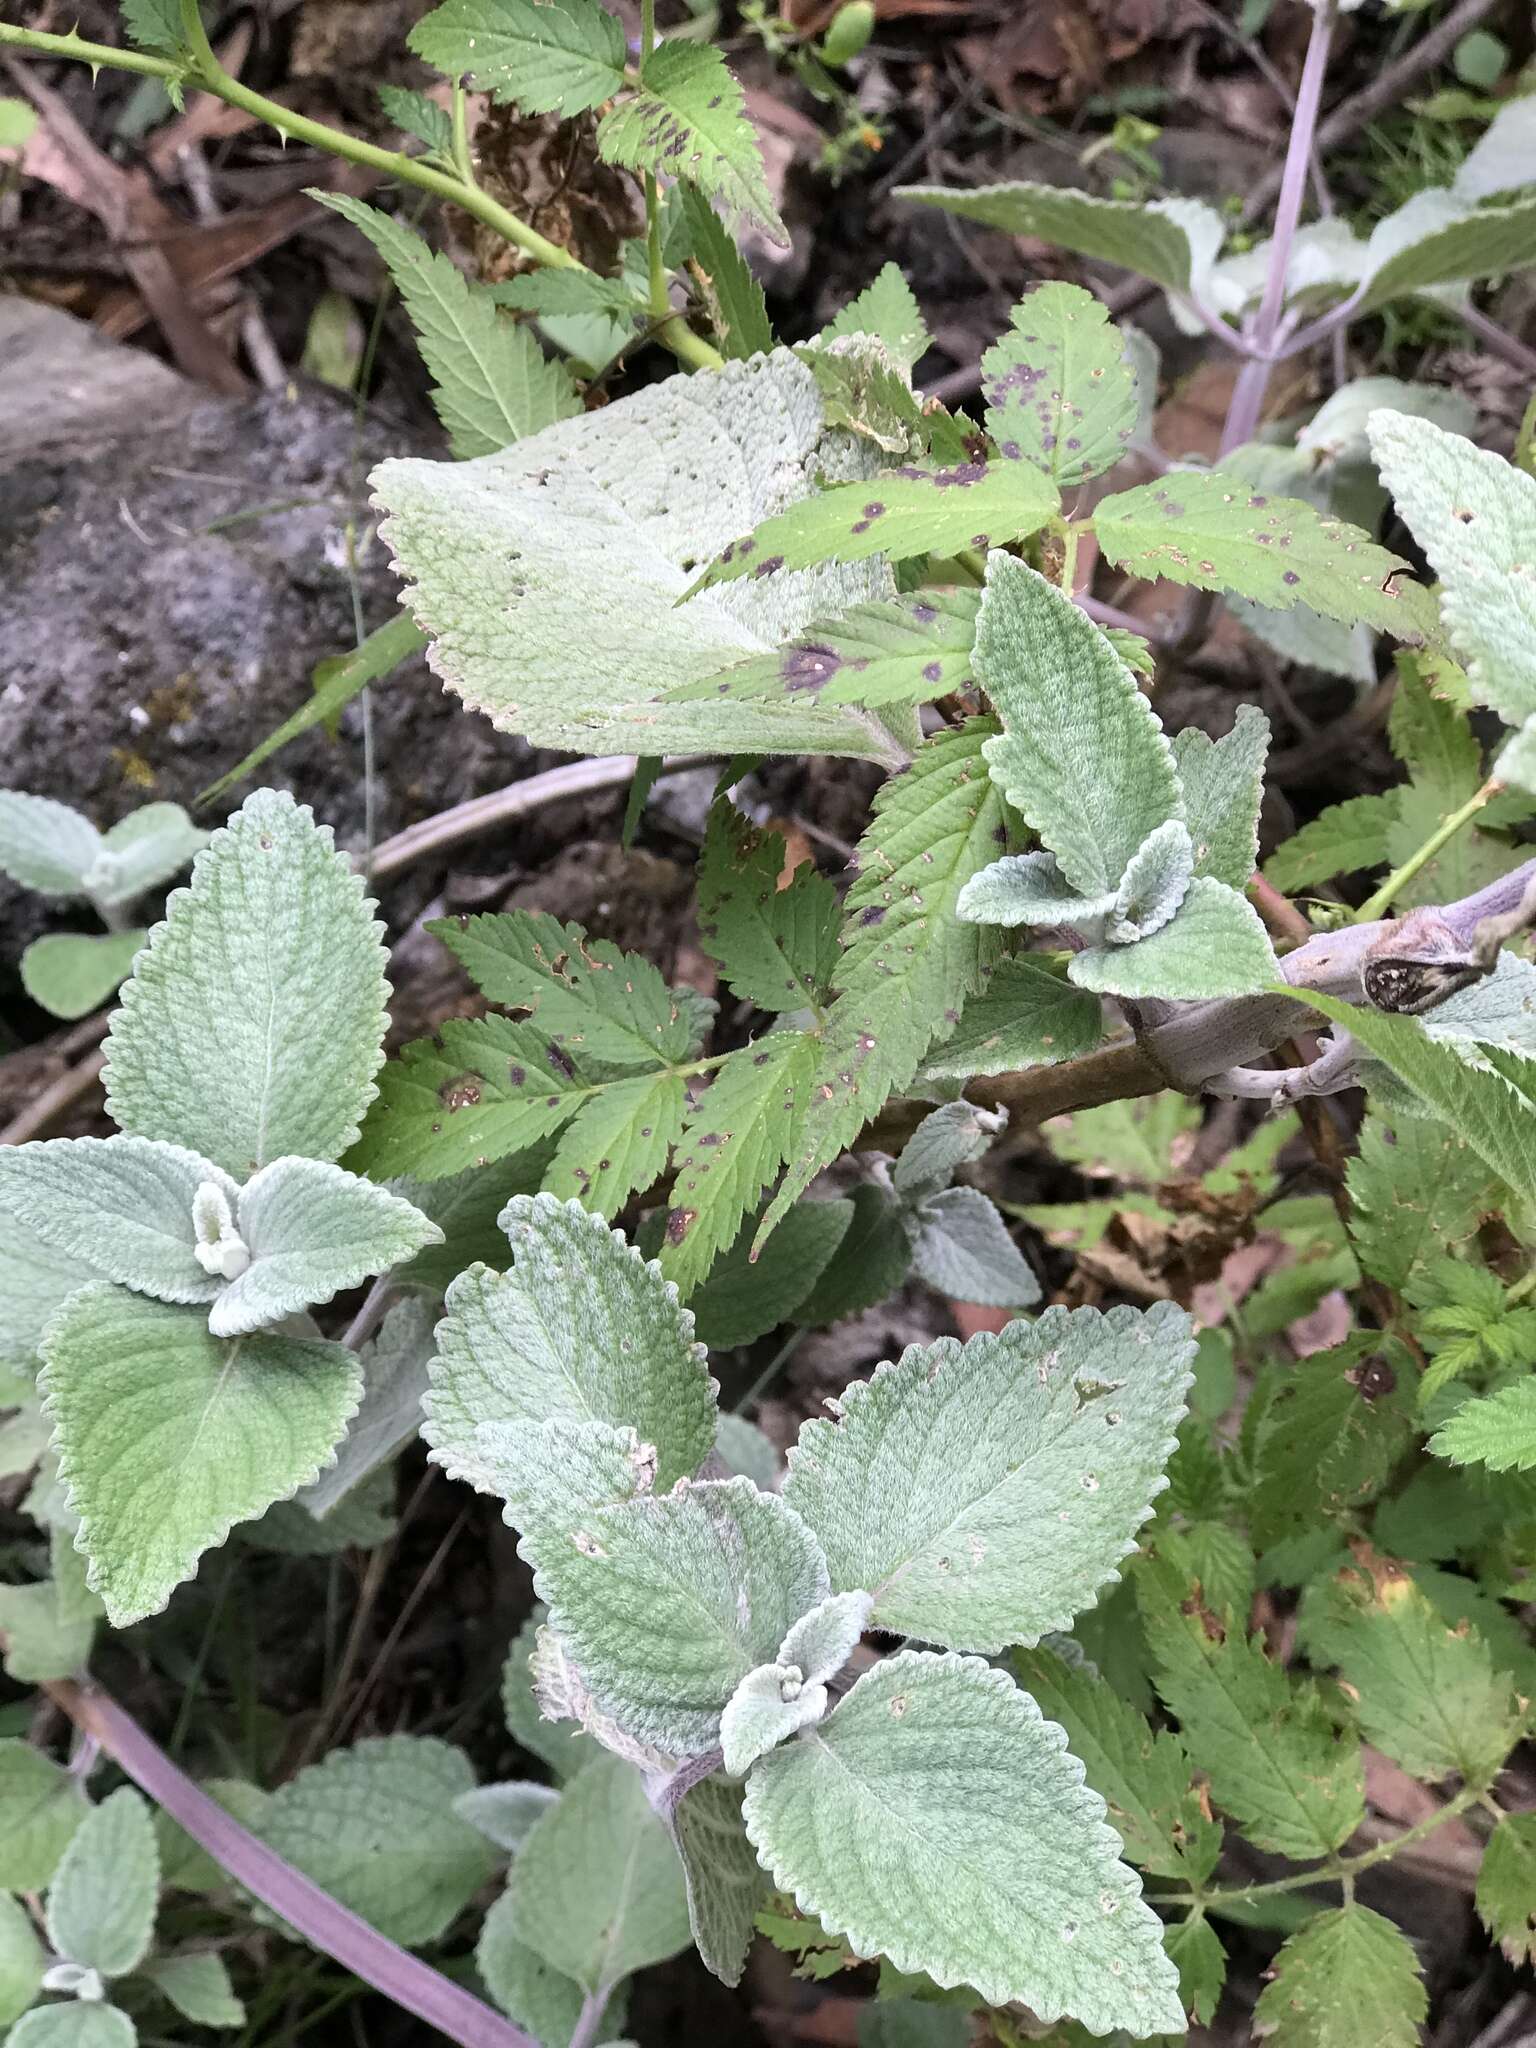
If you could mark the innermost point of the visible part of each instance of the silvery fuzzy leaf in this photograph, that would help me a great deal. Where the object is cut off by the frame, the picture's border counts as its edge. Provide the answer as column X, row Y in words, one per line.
column 1030, row 889
column 961, row 1247
column 1155, row 883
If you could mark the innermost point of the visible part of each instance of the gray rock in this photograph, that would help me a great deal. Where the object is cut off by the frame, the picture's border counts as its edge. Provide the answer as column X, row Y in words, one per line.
column 174, row 566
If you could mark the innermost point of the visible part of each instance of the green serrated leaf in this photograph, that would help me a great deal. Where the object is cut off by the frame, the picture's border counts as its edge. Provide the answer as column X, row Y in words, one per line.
column 738, row 312
column 688, row 120
column 198, row 1985
column 375, row 1825
column 908, row 959
column 1348, row 1979
column 906, row 651
column 619, row 1141
column 1205, row 528
column 1494, row 1108
column 1223, row 785
column 1081, row 753
column 1418, row 1192
column 726, row 1883
column 1425, row 1692
column 1506, row 1887
column 1054, row 1437
column 155, row 25
column 41, row 1806
column 1059, row 391
column 580, row 1328
column 935, row 1819
column 544, row 59
column 1340, row 840
column 1025, row 1017
column 418, row 116
column 484, row 1089
column 1215, row 945
column 565, row 294
column 1496, row 1430
column 1149, row 239
column 1474, row 515
column 1155, row 883
column 666, row 1602
column 492, row 383
column 903, row 512
column 866, row 394
column 101, row 1904
column 1144, row 1778
column 732, row 1146
column 245, row 1032
column 1336, row 1428
column 1195, row 1948
column 167, row 1437
column 597, row 1889
column 776, row 946
column 887, row 310
column 589, row 663
column 71, row 973
column 22, row 1960
column 1271, row 1753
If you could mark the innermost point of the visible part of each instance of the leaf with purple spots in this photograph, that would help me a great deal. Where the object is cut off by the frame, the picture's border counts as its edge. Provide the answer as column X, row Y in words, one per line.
column 775, row 941
column 688, row 121
column 1059, row 390
column 1216, row 532
column 907, row 650
column 914, row 510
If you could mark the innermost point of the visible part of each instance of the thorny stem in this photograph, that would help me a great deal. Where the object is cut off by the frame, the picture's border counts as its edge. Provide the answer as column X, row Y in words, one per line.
column 412, row 1984
column 206, row 72
column 1340, row 1870
column 1253, row 379
column 1379, row 903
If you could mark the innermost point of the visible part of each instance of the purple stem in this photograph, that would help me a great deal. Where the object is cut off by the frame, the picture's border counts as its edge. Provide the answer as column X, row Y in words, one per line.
column 413, row 1985
column 1253, row 379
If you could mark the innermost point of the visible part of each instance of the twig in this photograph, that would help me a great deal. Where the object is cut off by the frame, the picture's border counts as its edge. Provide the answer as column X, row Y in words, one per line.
column 410, row 1983
column 56, row 1100
column 1498, row 340
column 503, row 806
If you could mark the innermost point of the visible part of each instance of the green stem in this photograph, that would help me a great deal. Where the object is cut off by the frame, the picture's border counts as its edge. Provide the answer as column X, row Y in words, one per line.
column 81, row 52
column 206, row 72
column 658, row 297
column 460, row 152
column 1377, row 905
column 1342, row 1870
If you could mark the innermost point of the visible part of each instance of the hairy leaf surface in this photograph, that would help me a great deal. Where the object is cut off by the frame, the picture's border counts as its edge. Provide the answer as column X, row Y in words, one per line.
column 253, row 1023
column 935, row 1818
column 666, row 1602
column 167, row 1436
column 986, row 1492
column 580, row 1328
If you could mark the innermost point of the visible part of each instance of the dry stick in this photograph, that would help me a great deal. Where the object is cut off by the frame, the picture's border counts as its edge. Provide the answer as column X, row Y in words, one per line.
column 412, row 1984
column 56, row 1100
column 398, row 1627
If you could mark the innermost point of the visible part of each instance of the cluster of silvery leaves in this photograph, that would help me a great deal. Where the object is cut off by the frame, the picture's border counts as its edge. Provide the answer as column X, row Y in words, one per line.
column 163, row 1276
column 51, row 848
column 99, row 1869
column 705, row 1630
